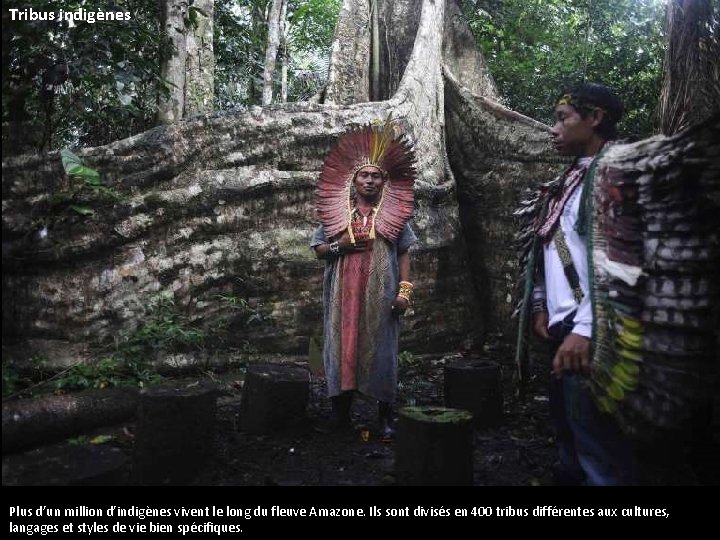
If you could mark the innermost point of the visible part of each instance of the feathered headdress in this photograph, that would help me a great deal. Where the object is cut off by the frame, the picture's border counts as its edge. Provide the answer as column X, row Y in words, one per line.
column 380, row 145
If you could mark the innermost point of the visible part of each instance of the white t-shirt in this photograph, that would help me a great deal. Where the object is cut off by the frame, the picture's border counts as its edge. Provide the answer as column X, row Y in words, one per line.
column 556, row 290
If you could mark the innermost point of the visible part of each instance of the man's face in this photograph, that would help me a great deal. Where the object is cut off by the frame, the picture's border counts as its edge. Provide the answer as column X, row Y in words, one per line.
column 369, row 182
column 572, row 134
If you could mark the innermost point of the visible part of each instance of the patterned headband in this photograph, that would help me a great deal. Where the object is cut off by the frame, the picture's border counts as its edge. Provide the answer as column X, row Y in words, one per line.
column 370, row 164
column 573, row 101
column 566, row 99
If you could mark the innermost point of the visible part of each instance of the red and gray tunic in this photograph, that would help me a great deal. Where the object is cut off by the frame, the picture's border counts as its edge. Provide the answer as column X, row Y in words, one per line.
column 360, row 332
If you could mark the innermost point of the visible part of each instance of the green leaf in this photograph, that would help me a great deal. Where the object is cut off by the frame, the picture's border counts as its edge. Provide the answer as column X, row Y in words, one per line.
column 90, row 176
column 76, row 441
column 73, row 166
column 69, row 160
column 82, row 210
column 101, row 439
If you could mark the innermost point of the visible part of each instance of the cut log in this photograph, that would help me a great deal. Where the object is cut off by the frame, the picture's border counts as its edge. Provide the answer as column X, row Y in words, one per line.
column 274, row 396
column 175, row 433
column 67, row 465
column 474, row 385
column 434, row 447
column 30, row 422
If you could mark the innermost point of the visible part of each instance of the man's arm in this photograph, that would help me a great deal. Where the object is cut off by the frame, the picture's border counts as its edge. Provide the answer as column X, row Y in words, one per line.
column 540, row 317
column 404, row 265
column 344, row 245
column 574, row 353
column 400, row 304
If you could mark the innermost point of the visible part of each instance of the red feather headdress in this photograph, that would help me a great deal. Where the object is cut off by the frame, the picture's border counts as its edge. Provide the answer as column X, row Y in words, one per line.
column 380, row 145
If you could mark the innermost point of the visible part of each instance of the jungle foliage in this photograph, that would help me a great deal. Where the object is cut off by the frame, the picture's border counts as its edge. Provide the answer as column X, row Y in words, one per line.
column 89, row 84
column 535, row 48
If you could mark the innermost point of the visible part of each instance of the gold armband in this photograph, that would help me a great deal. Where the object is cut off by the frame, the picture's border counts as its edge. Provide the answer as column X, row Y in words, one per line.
column 406, row 289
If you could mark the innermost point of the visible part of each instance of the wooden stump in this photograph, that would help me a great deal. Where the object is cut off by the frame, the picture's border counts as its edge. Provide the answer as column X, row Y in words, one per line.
column 67, row 465
column 175, row 433
column 434, row 447
column 274, row 396
column 475, row 386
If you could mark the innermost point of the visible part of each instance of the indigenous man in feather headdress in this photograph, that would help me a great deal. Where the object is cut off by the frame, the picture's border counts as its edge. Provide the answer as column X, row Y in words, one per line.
column 592, row 447
column 364, row 200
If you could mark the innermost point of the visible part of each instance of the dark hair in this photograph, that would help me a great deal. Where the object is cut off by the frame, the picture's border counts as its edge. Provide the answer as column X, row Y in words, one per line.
column 586, row 96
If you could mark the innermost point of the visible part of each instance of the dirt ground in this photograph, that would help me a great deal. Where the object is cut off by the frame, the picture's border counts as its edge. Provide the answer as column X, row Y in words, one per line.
column 520, row 452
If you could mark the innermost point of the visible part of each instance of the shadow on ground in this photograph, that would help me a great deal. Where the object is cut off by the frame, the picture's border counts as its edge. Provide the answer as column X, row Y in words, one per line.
column 520, row 452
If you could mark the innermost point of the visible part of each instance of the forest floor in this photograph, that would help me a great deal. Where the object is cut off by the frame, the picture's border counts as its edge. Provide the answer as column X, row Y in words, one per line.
column 520, row 452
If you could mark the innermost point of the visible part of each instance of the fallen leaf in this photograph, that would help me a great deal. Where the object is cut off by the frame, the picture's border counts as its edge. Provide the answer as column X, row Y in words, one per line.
column 101, row 439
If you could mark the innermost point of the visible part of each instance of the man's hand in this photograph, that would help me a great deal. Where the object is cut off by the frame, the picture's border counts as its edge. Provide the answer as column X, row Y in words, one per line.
column 399, row 305
column 572, row 356
column 540, row 321
column 346, row 246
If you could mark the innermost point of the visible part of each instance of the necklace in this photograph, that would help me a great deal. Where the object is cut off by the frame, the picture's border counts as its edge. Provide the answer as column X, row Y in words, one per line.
column 365, row 213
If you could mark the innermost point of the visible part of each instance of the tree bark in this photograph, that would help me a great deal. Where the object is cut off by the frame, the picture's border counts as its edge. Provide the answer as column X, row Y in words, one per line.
column 28, row 422
column 349, row 73
column 462, row 59
column 375, row 53
column 222, row 205
column 67, row 465
column 200, row 62
column 172, row 68
column 496, row 154
column 271, row 50
column 284, row 54
column 691, row 79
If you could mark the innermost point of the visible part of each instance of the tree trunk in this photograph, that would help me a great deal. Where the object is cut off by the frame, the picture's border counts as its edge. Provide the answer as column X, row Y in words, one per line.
column 691, row 80
column 375, row 53
column 172, row 68
column 349, row 73
column 67, row 465
column 200, row 62
column 273, row 41
column 284, row 54
column 222, row 205
column 29, row 422
column 496, row 154
column 462, row 59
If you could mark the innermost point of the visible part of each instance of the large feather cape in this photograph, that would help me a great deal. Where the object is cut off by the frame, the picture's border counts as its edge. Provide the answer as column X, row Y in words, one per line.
column 653, row 251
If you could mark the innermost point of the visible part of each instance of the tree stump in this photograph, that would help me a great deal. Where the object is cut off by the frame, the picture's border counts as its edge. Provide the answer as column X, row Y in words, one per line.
column 274, row 396
column 175, row 433
column 67, row 465
column 475, row 386
column 434, row 447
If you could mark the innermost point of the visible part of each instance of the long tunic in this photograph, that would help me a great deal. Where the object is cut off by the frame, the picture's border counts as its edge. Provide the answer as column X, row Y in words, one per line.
column 360, row 333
